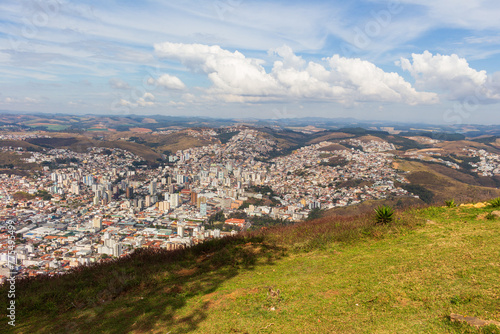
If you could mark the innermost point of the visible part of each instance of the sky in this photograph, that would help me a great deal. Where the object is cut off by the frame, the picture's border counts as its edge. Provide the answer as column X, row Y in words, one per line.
column 429, row 61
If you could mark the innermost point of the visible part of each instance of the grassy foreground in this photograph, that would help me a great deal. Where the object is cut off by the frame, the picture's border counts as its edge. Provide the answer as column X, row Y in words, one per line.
column 346, row 275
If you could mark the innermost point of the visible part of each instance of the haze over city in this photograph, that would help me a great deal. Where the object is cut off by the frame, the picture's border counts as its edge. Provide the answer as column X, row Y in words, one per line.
column 410, row 60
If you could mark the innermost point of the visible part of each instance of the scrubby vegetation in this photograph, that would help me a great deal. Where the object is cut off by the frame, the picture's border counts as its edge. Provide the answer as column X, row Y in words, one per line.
column 425, row 195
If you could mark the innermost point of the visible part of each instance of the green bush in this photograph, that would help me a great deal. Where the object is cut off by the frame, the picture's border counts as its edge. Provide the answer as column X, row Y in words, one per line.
column 495, row 202
column 384, row 214
column 451, row 203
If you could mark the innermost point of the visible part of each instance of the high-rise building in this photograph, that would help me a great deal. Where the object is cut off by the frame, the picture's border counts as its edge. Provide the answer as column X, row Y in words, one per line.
column 147, row 201
column 203, row 209
column 97, row 222
column 152, row 188
column 180, row 179
column 75, row 188
column 97, row 199
column 180, row 229
column 199, row 200
column 174, row 200
column 164, row 206
column 129, row 193
column 194, row 197
column 140, row 204
column 117, row 249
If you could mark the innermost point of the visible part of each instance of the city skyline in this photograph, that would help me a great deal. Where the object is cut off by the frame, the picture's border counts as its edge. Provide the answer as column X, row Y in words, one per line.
column 410, row 60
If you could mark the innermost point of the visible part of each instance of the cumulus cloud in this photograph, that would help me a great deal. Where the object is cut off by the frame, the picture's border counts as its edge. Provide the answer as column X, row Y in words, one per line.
column 453, row 75
column 290, row 60
column 118, row 84
column 125, row 103
column 170, row 82
column 236, row 78
column 147, row 100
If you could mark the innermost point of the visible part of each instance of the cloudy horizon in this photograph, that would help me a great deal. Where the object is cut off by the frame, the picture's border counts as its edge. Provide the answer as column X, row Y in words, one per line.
column 409, row 60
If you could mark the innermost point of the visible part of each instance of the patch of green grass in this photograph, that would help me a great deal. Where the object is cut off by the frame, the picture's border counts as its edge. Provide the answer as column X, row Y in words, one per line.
column 343, row 275
column 490, row 216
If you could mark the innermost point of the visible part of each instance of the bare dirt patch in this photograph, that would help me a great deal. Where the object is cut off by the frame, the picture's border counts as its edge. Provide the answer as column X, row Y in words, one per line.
column 186, row 272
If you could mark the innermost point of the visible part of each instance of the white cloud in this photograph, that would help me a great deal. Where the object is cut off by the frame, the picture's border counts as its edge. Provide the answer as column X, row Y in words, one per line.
column 125, row 103
column 148, row 96
column 118, row 84
column 290, row 60
column 30, row 100
column 483, row 39
column 237, row 78
column 176, row 104
column 453, row 75
column 147, row 100
column 170, row 82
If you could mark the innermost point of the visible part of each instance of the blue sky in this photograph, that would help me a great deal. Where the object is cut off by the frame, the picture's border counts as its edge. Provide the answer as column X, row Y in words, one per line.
column 408, row 60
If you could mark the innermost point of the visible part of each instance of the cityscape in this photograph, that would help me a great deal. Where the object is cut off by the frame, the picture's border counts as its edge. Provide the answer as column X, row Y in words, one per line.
column 246, row 166
column 102, row 203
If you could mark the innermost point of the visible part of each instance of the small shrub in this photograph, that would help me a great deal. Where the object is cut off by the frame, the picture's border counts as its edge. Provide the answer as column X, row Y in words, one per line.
column 495, row 202
column 384, row 214
column 451, row 203
column 490, row 216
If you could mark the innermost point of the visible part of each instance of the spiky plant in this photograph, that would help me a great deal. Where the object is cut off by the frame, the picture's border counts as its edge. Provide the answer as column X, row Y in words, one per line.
column 384, row 214
column 495, row 202
column 451, row 203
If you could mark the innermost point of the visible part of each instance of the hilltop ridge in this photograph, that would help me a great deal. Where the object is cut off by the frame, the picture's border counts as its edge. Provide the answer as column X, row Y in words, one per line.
column 343, row 274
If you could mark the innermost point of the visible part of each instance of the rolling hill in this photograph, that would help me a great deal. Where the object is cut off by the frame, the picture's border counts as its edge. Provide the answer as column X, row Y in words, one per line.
column 447, row 183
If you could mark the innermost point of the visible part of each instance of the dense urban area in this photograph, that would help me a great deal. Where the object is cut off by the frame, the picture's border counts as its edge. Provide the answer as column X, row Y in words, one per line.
column 79, row 208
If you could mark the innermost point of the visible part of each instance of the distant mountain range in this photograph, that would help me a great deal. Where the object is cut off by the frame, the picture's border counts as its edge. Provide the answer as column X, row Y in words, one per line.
column 72, row 123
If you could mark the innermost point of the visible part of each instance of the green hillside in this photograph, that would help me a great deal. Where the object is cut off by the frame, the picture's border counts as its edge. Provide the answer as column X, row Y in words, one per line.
column 334, row 275
column 444, row 182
